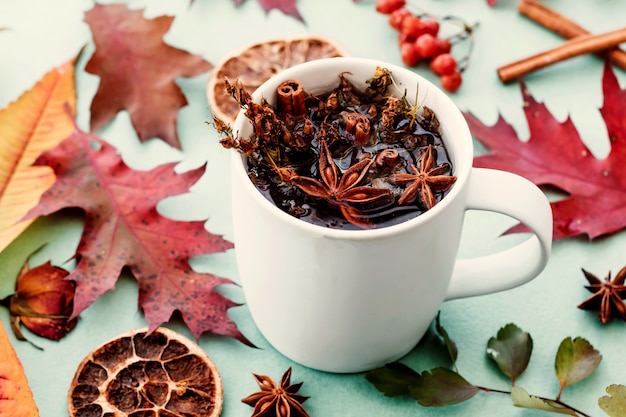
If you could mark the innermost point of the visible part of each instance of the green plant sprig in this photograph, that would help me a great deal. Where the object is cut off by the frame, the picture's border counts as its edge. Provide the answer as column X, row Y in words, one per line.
column 510, row 349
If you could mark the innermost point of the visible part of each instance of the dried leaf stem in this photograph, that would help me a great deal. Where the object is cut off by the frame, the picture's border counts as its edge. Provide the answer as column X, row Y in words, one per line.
column 577, row 46
column 563, row 26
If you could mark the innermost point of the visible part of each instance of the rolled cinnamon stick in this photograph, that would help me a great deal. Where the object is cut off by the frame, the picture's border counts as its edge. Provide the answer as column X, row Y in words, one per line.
column 359, row 126
column 563, row 26
column 291, row 98
column 579, row 45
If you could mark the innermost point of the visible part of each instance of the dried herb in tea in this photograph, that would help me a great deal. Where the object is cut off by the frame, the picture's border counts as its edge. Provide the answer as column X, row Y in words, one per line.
column 347, row 158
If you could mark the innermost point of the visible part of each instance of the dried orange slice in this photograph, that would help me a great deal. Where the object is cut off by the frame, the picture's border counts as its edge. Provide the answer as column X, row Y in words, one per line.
column 256, row 63
column 149, row 375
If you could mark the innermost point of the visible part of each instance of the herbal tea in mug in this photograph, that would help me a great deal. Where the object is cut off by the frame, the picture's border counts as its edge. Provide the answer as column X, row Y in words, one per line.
column 351, row 143
column 345, row 158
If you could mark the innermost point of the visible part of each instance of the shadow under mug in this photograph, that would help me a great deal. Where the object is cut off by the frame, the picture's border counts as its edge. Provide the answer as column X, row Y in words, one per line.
column 352, row 300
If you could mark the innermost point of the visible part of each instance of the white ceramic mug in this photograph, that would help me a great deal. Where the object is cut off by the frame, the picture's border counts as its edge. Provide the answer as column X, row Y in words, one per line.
column 352, row 300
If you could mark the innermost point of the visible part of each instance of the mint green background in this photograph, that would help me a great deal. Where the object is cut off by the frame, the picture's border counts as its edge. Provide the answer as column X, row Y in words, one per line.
column 44, row 34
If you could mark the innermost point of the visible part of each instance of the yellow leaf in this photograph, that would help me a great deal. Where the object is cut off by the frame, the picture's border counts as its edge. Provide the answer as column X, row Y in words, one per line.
column 614, row 404
column 16, row 398
column 522, row 398
column 36, row 122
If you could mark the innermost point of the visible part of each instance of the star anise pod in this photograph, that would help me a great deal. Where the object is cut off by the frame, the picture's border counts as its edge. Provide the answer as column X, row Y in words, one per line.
column 341, row 192
column 277, row 400
column 608, row 296
column 426, row 180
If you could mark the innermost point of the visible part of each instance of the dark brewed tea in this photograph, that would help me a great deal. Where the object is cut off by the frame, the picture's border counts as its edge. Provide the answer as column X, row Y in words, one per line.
column 346, row 159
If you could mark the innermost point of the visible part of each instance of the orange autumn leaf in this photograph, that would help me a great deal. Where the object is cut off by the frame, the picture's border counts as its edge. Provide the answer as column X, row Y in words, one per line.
column 16, row 398
column 36, row 122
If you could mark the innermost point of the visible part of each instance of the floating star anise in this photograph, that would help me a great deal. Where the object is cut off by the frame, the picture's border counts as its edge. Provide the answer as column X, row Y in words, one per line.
column 341, row 192
column 426, row 180
column 277, row 400
column 608, row 296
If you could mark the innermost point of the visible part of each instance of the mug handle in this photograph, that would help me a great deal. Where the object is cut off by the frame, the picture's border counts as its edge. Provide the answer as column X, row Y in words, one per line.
column 515, row 196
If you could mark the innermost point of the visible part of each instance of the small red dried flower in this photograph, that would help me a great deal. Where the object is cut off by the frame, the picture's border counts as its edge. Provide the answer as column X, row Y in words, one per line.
column 43, row 302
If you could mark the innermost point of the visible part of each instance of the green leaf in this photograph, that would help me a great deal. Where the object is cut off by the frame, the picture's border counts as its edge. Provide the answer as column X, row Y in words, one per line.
column 521, row 398
column 614, row 404
column 393, row 379
column 575, row 360
column 511, row 350
column 440, row 387
column 450, row 345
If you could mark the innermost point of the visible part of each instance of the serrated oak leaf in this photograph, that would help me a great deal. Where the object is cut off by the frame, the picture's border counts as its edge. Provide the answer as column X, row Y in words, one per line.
column 510, row 350
column 123, row 229
column 35, row 122
column 138, row 71
column 288, row 7
column 440, row 387
column 555, row 155
column 575, row 360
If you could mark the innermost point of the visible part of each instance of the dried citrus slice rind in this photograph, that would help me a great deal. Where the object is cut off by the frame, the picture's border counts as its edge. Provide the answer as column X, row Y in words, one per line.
column 256, row 63
column 145, row 374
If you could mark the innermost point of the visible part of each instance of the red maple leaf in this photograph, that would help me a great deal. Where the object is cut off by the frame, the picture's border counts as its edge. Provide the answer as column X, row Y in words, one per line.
column 288, row 7
column 555, row 155
column 123, row 229
column 138, row 71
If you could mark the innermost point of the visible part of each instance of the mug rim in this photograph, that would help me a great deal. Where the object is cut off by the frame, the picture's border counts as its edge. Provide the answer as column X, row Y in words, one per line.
column 462, row 151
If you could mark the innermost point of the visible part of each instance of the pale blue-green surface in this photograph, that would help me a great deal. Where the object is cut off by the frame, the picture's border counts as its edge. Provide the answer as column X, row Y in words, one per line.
column 44, row 34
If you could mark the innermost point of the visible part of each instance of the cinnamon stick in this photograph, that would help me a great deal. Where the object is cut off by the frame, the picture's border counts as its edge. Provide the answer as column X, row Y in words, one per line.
column 579, row 45
column 563, row 26
column 359, row 126
column 291, row 98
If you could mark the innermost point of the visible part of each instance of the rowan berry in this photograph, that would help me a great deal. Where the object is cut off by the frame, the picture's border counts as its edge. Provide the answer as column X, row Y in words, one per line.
column 409, row 54
column 412, row 26
column 397, row 16
column 426, row 45
column 443, row 64
column 388, row 6
column 443, row 45
column 451, row 82
column 431, row 26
